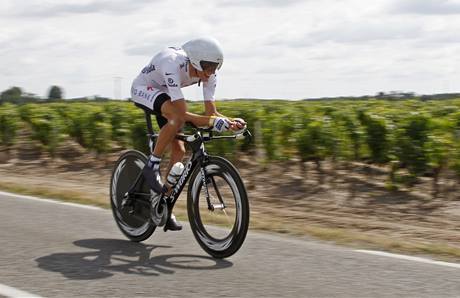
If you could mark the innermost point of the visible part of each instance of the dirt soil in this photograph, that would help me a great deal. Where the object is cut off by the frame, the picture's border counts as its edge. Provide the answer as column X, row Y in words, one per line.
column 348, row 203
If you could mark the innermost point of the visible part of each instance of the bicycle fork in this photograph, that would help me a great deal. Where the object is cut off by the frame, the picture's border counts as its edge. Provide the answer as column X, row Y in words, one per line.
column 211, row 206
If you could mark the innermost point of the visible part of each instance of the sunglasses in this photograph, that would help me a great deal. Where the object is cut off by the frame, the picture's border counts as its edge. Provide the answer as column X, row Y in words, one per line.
column 208, row 67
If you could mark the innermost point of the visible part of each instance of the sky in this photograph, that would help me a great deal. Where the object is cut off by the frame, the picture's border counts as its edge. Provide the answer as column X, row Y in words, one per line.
column 287, row 49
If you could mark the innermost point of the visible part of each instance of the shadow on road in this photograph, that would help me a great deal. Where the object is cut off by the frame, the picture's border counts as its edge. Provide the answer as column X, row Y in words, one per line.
column 108, row 256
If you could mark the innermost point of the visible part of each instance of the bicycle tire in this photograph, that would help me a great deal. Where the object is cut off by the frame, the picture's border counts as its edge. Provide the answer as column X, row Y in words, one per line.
column 218, row 167
column 138, row 225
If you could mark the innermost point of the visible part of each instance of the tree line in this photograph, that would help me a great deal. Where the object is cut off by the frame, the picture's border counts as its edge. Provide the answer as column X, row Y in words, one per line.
column 16, row 95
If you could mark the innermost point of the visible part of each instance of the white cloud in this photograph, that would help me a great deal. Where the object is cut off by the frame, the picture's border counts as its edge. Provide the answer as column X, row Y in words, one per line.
column 257, row 3
column 47, row 9
column 426, row 7
column 273, row 48
column 366, row 32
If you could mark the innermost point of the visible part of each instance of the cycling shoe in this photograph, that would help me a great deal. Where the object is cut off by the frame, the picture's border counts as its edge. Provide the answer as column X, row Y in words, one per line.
column 153, row 177
column 172, row 224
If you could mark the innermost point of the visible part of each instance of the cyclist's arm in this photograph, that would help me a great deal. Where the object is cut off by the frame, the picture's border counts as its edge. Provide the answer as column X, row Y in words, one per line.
column 198, row 120
column 208, row 121
column 209, row 88
column 235, row 123
column 210, row 109
column 172, row 81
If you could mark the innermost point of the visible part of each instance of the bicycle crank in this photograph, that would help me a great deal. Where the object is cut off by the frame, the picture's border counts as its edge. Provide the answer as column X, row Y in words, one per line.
column 127, row 202
column 158, row 210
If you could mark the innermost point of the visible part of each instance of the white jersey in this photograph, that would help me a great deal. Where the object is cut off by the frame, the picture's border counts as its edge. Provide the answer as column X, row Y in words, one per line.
column 168, row 72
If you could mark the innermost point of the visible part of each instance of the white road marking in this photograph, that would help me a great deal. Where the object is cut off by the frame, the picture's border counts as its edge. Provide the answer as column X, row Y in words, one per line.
column 13, row 292
column 3, row 193
column 408, row 258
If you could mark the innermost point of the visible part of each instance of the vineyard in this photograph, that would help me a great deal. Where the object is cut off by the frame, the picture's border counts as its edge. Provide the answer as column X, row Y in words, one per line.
column 410, row 138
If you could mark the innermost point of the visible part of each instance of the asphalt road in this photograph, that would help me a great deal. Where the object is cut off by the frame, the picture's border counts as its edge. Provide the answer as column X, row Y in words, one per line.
column 58, row 250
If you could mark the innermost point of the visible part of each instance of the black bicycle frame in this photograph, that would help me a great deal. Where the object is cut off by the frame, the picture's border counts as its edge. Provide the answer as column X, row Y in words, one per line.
column 199, row 157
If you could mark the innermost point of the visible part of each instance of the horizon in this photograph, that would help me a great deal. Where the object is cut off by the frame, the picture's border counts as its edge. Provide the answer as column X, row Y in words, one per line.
column 377, row 95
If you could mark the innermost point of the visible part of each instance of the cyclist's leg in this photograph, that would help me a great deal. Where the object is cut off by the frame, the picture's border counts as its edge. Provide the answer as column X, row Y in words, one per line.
column 177, row 153
column 162, row 121
column 177, row 147
column 197, row 120
column 153, row 99
column 178, row 108
column 174, row 112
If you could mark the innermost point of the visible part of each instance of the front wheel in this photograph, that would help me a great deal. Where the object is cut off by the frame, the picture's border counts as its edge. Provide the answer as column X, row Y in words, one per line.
column 220, row 225
column 133, row 219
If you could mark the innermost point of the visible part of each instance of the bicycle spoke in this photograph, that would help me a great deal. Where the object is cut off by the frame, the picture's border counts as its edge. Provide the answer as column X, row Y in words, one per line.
column 227, row 217
column 217, row 190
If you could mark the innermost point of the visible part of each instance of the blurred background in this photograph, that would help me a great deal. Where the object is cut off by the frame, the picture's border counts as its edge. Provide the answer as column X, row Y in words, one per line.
column 354, row 107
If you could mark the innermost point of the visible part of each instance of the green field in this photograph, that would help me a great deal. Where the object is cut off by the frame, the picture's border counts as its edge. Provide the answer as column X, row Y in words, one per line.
column 413, row 138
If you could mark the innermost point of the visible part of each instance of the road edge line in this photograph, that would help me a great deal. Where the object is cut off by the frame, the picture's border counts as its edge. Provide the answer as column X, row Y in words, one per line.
column 408, row 258
column 5, row 193
column 13, row 292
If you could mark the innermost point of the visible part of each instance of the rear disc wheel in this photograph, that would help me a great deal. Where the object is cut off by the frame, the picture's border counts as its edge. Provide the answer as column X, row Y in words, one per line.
column 134, row 218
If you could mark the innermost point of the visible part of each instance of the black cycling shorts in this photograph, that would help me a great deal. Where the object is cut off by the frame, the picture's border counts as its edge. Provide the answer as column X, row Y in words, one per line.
column 159, row 101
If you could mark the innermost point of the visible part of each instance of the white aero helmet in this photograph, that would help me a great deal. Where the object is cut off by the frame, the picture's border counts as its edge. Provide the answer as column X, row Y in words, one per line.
column 204, row 49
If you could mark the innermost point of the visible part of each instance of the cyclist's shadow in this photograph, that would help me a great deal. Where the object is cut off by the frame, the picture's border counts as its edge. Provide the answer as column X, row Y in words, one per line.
column 108, row 256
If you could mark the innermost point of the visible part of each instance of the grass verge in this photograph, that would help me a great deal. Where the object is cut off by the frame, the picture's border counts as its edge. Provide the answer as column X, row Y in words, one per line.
column 342, row 236
column 58, row 194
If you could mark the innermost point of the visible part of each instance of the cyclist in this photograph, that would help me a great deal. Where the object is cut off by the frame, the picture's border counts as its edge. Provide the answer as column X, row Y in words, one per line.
column 158, row 89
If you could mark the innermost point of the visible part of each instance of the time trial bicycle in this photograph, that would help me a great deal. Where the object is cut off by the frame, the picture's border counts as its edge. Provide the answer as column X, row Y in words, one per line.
column 217, row 201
